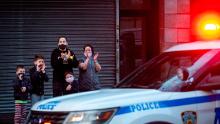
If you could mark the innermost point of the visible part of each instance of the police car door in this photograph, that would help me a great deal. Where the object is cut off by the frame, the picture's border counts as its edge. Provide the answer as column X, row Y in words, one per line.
column 207, row 95
column 215, row 79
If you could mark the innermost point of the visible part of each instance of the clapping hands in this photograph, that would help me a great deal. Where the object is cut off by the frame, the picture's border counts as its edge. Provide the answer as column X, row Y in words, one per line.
column 96, row 57
column 66, row 55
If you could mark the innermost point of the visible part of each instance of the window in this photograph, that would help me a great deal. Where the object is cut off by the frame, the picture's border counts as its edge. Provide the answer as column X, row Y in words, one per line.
column 211, row 76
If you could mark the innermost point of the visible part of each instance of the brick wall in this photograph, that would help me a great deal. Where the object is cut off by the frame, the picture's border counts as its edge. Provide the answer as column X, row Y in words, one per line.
column 175, row 22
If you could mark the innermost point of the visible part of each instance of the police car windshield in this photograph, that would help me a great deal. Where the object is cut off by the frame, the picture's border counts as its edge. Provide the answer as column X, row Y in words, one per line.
column 161, row 69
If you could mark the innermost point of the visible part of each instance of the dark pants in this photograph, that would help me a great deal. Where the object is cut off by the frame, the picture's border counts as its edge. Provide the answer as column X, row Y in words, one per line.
column 57, row 88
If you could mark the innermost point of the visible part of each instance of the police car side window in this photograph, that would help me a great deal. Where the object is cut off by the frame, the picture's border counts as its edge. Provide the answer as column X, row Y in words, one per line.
column 214, row 75
column 211, row 76
column 180, row 61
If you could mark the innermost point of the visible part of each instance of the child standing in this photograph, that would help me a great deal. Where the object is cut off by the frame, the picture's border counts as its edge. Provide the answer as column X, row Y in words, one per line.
column 22, row 86
column 38, row 76
column 71, row 85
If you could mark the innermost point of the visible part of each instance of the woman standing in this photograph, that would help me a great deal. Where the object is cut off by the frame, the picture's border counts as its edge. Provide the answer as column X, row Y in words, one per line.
column 88, row 69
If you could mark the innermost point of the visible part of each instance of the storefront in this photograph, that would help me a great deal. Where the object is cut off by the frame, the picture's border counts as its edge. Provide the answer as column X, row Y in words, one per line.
column 126, row 33
column 33, row 27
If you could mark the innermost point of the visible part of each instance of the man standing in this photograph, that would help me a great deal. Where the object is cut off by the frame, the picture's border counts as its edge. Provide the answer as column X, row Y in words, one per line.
column 62, row 60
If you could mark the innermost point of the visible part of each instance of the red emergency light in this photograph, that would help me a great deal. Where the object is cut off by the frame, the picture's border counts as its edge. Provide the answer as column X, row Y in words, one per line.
column 211, row 27
column 208, row 26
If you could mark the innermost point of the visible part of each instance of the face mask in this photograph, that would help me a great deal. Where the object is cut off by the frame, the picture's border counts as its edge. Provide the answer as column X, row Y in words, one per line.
column 89, row 54
column 21, row 74
column 62, row 46
column 70, row 79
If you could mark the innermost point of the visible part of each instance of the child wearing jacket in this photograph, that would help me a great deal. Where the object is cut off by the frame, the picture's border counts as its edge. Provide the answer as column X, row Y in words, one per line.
column 22, row 87
column 38, row 76
column 71, row 85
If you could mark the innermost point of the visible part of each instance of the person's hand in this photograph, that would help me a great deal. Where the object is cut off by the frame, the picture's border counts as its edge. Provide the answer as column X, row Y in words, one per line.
column 68, row 88
column 38, row 67
column 68, row 54
column 96, row 57
column 23, row 89
column 20, row 76
column 63, row 55
column 43, row 67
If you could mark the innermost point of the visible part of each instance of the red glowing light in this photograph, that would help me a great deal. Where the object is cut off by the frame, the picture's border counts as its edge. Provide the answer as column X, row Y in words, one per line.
column 207, row 26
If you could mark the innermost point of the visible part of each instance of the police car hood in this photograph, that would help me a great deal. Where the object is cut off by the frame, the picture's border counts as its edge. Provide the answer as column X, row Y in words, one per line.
column 100, row 99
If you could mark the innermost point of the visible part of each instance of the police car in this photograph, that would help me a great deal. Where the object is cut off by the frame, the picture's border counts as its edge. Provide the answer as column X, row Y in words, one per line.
column 152, row 94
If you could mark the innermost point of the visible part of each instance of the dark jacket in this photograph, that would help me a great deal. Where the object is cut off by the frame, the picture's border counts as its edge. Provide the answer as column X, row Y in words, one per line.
column 37, row 81
column 74, row 89
column 59, row 68
column 17, row 84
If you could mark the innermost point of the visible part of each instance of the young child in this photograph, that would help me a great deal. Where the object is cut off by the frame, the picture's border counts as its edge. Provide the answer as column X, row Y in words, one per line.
column 38, row 76
column 22, row 86
column 71, row 85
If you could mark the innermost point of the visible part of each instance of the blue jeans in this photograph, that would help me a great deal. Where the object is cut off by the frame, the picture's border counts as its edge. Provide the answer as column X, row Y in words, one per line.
column 35, row 98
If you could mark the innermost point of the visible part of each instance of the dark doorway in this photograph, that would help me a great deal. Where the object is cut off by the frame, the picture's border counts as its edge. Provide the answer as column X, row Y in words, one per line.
column 139, row 33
